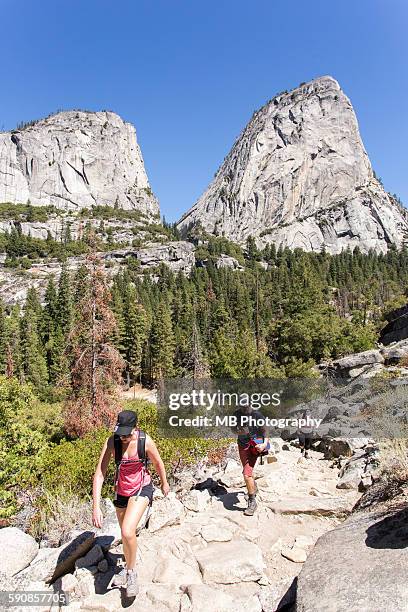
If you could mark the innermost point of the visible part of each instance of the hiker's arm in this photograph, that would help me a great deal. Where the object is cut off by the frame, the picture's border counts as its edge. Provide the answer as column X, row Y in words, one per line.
column 261, row 447
column 154, row 456
column 263, row 433
column 98, row 479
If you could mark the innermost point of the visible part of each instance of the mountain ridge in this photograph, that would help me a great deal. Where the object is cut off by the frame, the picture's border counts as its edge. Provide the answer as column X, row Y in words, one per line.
column 299, row 157
column 73, row 160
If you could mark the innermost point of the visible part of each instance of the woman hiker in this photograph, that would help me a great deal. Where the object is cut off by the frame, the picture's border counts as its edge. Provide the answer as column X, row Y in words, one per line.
column 252, row 441
column 133, row 487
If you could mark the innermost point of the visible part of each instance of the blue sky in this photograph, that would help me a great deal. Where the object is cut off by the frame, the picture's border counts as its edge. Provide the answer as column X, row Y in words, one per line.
column 189, row 74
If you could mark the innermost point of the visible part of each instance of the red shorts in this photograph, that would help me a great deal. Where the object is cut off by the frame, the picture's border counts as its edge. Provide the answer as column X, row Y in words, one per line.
column 248, row 460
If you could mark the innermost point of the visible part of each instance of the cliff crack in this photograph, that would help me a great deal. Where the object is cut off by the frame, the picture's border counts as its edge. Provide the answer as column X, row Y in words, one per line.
column 79, row 173
column 63, row 179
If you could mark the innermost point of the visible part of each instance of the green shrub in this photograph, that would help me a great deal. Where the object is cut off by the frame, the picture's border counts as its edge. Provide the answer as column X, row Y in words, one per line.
column 26, row 212
column 21, row 448
column 70, row 465
column 45, row 418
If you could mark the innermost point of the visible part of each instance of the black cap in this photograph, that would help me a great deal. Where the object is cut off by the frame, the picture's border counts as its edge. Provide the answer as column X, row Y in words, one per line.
column 126, row 422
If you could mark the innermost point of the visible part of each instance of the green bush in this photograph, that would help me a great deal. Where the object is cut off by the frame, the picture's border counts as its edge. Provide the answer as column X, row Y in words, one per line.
column 44, row 417
column 21, row 448
column 109, row 212
column 26, row 212
column 70, row 465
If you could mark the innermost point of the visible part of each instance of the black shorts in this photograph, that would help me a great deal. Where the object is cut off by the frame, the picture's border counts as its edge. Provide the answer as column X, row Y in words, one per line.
column 121, row 501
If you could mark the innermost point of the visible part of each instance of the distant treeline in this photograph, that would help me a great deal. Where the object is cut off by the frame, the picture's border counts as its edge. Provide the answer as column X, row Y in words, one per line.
column 278, row 321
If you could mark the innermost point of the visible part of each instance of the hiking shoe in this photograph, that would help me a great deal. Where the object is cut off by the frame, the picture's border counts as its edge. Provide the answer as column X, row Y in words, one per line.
column 307, row 455
column 252, row 506
column 120, row 579
column 255, row 492
column 132, row 587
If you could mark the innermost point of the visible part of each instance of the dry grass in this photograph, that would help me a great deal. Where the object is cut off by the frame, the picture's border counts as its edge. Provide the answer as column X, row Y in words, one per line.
column 59, row 514
column 389, row 426
column 403, row 362
column 394, row 459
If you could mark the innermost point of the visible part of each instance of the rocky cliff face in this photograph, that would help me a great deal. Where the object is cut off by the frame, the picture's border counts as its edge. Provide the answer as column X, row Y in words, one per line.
column 75, row 160
column 14, row 285
column 299, row 176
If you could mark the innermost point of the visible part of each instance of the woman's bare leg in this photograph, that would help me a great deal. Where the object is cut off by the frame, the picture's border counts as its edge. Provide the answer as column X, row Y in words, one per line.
column 135, row 508
column 120, row 513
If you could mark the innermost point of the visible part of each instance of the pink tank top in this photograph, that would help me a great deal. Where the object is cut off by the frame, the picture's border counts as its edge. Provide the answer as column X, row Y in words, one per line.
column 132, row 475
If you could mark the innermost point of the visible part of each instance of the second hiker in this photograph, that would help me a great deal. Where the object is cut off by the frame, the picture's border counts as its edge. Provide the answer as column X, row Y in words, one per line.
column 252, row 443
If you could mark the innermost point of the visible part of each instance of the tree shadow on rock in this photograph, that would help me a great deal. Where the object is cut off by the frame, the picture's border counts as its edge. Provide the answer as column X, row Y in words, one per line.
column 389, row 532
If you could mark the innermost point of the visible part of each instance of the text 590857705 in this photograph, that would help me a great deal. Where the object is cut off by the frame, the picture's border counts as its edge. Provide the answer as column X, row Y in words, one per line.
column 9, row 599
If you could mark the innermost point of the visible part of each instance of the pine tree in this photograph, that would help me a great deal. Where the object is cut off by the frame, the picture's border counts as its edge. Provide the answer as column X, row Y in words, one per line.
column 53, row 337
column 222, row 351
column 3, row 339
column 58, row 370
column 64, row 301
column 95, row 364
column 79, row 284
column 161, row 343
column 135, row 335
column 33, row 363
column 13, row 342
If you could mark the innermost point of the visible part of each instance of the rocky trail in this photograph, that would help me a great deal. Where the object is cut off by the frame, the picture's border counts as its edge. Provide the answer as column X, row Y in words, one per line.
column 312, row 531
column 200, row 552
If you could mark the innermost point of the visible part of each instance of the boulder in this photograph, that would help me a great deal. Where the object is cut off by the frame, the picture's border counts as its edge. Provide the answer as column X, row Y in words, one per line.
column 361, row 564
column 231, row 465
column 91, row 558
column 177, row 255
column 278, row 595
column 295, row 554
column 304, row 541
column 351, row 474
column 167, row 511
column 230, row 562
column 216, row 533
column 342, row 447
column 68, row 583
column 359, row 359
column 226, row 261
column 86, row 582
column 163, row 596
column 232, row 478
column 171, row 570
column 373, row 370
column 107, row 602
column 196, row 500
column 397, row 326
column 19, row 550
column 395, row 353
column 205, row 598
column 317, row 506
